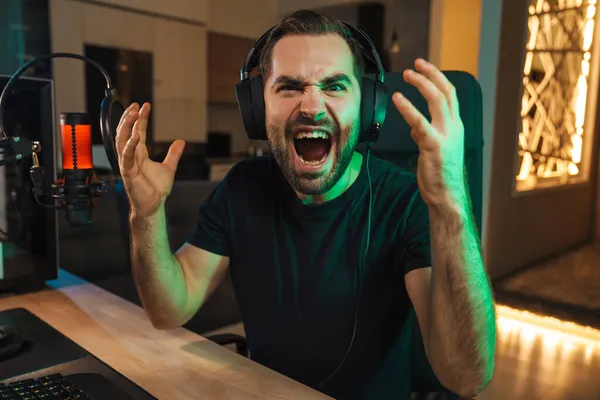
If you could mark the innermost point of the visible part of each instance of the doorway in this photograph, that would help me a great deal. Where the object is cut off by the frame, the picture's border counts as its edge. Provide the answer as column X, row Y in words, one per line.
column 541, row 247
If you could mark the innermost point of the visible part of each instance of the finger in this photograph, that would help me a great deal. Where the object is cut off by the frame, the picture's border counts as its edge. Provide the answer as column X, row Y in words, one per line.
column 128, row 156
column 141, row 125
column 415, row 135
column 125, row 132
column 132, row 106
column 124, row 128
column 441, row 81
column 438, row 104
column 419, row 125
column 174, row 154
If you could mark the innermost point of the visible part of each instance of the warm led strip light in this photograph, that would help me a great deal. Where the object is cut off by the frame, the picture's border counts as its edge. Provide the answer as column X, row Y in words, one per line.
column 551, row 330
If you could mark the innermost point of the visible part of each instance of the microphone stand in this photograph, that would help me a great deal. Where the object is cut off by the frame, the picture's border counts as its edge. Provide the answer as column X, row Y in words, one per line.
column 19, row 148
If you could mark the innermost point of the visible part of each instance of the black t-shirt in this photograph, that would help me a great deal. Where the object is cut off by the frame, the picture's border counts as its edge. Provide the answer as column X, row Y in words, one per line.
column 294, row 268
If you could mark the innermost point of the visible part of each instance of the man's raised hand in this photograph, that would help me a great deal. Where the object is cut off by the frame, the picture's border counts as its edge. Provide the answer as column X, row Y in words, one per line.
column 440, row 172
column 147, row 183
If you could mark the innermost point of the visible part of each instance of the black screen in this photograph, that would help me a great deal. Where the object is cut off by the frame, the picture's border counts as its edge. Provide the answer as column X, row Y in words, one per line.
column 29, row 234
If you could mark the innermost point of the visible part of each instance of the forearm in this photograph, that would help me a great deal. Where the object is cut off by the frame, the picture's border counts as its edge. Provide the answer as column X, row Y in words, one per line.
column 157, row 274
column 462, row 330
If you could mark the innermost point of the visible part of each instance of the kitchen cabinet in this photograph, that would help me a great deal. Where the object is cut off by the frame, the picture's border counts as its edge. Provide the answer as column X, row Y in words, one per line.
column 226, row 55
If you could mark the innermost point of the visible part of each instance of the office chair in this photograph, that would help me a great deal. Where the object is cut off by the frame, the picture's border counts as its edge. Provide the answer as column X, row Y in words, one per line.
column 396, row 145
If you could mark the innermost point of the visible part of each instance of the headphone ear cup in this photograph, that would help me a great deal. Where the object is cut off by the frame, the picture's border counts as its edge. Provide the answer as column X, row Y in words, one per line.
column 244, row 99
column 251, row 103
column 373, row 109
column 380, row 110
column 258, row 107
column 367, row 109
column 111, row 111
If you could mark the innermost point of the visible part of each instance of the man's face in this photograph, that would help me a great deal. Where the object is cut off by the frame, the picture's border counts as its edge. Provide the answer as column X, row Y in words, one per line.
column 312, row 99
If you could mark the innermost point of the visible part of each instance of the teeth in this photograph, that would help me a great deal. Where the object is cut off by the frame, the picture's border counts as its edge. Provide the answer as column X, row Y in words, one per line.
column 312, row 135
column 313, row 163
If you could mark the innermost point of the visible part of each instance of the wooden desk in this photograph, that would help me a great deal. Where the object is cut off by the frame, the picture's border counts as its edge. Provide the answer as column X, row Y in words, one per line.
column 174, row 364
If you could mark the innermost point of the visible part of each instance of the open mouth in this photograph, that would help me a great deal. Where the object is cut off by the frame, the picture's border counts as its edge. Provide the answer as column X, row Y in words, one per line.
column 312, row 148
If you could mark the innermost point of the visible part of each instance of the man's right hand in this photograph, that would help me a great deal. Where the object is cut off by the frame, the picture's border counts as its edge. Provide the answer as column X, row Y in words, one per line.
column 147, row 183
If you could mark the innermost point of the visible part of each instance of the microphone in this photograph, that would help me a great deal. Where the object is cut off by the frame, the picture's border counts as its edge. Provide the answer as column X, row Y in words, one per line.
column 77, row 189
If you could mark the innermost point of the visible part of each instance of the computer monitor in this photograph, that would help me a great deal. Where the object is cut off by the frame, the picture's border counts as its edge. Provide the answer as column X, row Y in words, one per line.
column 29, row 237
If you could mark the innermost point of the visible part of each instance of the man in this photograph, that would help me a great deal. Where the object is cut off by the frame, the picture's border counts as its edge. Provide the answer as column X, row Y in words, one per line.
column 293, row 230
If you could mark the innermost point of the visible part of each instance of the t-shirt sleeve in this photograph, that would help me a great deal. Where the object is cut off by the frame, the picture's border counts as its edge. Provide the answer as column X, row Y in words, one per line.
column 212, row 231
column 416, row 251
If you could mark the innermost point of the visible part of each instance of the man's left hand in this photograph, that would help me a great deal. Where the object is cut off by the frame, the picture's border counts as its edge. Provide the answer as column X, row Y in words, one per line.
column 440, row 173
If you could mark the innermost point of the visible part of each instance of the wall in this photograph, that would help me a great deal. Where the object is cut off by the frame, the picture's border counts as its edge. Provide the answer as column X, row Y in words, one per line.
column 411, row 20
column 454, row 34
column 179, row 48
column 344, row 12
column 185, row 10
column 489, row 43
column 525, row 228
column 596, row 228
column 226, row 118
column 248, row 19
column 242, row 18
column 289, row 6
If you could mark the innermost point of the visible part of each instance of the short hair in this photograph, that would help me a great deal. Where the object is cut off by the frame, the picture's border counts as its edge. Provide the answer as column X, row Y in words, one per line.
column 309, row 22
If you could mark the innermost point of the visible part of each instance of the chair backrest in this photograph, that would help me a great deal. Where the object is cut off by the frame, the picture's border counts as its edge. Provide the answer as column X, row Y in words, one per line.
column 397, row 146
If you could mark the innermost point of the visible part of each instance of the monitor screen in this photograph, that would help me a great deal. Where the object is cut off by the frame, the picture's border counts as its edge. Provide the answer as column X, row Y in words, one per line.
column 28, row 231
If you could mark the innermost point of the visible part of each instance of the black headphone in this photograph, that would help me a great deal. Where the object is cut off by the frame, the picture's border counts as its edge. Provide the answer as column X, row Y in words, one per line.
column 111, row 108
column 373, row 107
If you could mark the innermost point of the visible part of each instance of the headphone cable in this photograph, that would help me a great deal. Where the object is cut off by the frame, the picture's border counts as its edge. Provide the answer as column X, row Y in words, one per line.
column 360, row 273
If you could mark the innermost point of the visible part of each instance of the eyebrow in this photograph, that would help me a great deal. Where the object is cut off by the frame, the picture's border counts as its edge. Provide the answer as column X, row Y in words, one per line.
column 296, row 81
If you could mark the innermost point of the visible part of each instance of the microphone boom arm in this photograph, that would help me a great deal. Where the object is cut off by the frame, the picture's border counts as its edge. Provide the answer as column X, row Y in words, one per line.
column 18, row 148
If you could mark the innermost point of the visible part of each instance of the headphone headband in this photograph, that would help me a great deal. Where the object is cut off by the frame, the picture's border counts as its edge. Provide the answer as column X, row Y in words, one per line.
column 359, row 35
column 374, row 94
column 254, row 55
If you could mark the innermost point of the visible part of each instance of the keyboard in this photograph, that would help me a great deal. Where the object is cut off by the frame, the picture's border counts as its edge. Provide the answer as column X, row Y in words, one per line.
column 51, row 387
column 52, row 366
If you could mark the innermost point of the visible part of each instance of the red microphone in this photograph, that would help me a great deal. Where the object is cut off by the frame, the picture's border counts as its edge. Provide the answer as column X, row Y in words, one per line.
column 79, row 186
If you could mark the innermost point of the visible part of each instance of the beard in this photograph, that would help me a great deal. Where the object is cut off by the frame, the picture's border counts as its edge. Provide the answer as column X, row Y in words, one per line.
column 343, row 144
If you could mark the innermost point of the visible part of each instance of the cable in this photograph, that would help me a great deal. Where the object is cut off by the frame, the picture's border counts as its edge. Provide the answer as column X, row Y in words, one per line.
column 360, row 273
column 49, row 206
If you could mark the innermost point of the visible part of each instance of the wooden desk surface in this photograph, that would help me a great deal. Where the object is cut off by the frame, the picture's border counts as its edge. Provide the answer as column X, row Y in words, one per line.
column 174, row 364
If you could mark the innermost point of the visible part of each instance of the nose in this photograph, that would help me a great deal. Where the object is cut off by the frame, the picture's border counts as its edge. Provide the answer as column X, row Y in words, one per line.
column 312, row 104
